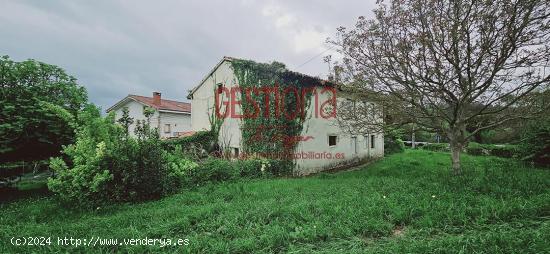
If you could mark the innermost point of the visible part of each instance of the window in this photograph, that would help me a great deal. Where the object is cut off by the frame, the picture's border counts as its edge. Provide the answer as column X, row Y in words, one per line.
column 220, row 87
column 167, row 128
column 332, row 140
column 236, row 152
column 366, row 141
column 371, row 141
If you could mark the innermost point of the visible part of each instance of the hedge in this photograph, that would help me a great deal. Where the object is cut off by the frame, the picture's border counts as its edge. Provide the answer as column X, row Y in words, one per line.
column 505, row 151
column 12, row 169
column 202, row 140
column 437, row 147
column 220, row 170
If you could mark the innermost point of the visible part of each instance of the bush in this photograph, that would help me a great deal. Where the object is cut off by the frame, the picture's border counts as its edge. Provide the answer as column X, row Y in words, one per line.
column 213, row 170
column 85, row 179
column 505, row 151
column 198, row 143
column 474, row 148
column 219, row 170
column 106, row 164
column 437, row 147
column 393, row 142
column 255, row 168
column 179, row 168
column 535, row 142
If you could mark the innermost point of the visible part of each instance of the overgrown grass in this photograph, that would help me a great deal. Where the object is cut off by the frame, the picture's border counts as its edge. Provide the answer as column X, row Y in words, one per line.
column 408, row 202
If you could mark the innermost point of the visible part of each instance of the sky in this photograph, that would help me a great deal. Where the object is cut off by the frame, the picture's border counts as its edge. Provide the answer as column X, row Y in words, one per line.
column 115, row 48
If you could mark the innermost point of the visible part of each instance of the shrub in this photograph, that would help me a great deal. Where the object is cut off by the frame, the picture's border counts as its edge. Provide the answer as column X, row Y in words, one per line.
column 85, row 179
column 474, row 148
column 437, row 147
column 213, row 170
column 505, row 151
column 255, row 168
column 393, row 142
column 280, row 167
column 219, row 170
column 250, row 168
column 535, row 142
column 106, row 164
column 179, row 168
column 198, row 143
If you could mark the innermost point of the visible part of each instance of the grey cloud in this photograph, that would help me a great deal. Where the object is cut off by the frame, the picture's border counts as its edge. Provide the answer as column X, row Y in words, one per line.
column 119, row 47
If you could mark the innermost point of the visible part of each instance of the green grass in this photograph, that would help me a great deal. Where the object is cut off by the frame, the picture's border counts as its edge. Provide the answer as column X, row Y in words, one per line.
column 408, row 202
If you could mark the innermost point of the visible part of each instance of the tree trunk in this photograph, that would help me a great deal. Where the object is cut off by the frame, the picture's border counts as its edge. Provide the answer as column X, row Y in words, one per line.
column 455, row 158
column 457, row 141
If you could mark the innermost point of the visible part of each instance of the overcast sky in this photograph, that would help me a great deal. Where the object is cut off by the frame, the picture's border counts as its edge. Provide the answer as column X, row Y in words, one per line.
column 115, row 48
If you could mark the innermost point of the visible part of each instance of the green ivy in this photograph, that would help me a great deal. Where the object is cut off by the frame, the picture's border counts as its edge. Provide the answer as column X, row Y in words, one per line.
column 273, row 134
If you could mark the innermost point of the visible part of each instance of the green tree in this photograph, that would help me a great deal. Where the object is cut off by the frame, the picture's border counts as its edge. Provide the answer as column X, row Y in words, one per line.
column 438, row 58
column 37, row 104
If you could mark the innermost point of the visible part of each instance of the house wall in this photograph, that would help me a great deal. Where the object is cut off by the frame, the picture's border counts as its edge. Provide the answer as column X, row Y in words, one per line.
column 135, row 111
column 203, row 102
column 179, row 122
column 202, row 106
column 319, row 155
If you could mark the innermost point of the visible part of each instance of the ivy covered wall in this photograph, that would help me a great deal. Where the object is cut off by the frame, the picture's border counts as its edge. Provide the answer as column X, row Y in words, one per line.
column 274, row 103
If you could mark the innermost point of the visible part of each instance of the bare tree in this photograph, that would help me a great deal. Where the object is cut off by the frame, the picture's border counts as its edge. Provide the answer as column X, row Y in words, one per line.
column 440, row 57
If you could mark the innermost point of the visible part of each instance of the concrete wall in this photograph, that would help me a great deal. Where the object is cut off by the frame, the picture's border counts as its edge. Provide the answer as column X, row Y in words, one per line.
column 352, row 147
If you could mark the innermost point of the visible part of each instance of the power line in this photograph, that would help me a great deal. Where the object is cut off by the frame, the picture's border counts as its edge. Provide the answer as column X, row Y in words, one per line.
column 315, row 56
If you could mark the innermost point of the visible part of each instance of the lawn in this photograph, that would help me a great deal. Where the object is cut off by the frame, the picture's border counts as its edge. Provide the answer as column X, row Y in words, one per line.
column 407, row 202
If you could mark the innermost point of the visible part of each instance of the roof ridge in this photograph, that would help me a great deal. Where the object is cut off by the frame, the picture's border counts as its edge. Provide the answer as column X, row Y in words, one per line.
column 160, row 98
column 322, row 81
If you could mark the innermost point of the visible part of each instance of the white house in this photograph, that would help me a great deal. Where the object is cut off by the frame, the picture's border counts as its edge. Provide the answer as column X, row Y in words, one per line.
column 323, row 144
column 172, row 118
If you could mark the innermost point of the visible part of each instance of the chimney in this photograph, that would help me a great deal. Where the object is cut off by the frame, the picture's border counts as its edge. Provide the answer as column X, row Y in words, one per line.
column 156, row 98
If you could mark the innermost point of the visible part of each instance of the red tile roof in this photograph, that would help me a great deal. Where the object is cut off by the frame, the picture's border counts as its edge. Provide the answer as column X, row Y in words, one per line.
column 164, row 104
column 185, row 134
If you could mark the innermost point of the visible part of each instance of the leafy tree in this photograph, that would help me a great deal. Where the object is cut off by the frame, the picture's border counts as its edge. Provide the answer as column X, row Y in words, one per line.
column 37, row 104
column 437, row 58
